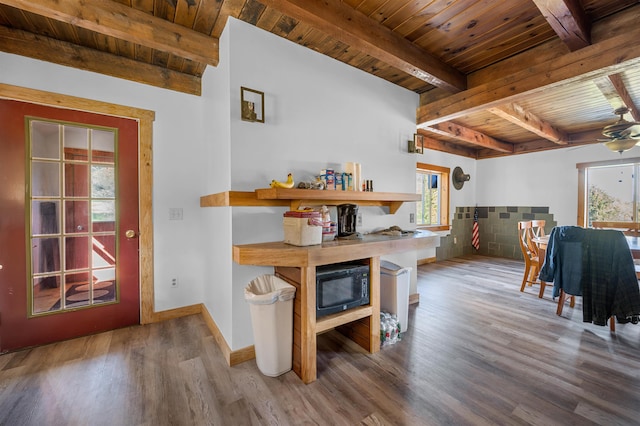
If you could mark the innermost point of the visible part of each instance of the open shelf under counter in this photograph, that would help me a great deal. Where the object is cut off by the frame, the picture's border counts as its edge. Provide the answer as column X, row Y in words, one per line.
column 297, row 265
column 335, row 320
column 295, row 198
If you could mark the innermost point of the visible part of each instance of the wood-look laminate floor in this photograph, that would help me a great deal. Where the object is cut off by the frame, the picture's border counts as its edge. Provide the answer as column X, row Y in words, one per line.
column 477, row 352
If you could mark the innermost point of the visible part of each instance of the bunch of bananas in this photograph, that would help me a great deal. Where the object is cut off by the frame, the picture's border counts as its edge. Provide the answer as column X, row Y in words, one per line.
column 288, row 184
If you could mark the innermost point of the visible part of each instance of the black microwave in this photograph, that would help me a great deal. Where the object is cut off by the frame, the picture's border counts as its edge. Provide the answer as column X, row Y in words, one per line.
column 340, row 287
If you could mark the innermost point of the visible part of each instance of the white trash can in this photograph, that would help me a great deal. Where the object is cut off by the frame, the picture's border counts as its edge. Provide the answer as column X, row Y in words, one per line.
column 394, row 291
column 271, row 304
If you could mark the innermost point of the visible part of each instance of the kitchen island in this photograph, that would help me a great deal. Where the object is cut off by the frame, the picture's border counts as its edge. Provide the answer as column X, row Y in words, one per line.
column 297, row 265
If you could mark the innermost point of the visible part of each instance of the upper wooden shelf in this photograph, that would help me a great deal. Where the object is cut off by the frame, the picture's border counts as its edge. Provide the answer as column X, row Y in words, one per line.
column 294, row 198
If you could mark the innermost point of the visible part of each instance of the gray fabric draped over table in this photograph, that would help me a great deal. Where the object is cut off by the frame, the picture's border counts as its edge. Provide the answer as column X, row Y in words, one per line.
column 597, row 265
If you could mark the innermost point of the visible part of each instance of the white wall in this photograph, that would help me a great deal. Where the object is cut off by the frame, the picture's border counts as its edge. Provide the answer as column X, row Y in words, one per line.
column 548, row 178
column 177, row 164
column 319, row 113
column 216, row 221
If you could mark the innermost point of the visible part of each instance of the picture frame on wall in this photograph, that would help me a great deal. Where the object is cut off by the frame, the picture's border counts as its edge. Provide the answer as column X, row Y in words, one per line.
column 417, row 144
column 251, row 105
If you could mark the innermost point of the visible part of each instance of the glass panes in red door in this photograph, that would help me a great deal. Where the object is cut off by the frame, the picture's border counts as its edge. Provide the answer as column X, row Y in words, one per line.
column 73, row 216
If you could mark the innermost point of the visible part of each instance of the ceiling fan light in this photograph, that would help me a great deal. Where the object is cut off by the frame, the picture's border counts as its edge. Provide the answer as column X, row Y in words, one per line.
column 621, row 145
column 621, row 129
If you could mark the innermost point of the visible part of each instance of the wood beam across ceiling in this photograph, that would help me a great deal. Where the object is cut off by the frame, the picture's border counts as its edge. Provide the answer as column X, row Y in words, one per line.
column 568, row 20
column 609, row 56
column 345, row 24
column 517, row 115
column 575, row 140
column 573, row 27
column 126, row 23
column 47, row 49
column 443, row 146
column 614, row 89
column 455, row 131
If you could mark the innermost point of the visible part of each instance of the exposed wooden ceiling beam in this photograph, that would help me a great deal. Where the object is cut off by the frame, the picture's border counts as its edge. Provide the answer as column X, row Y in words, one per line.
column 609, row 56
column 568, row 20
column 575, row 140
column 342, row 22
column 455, row 131
column 47, row 49
column 117, row 20
column 517, row 115
column 609, row 92
column 614, row 89
column 621, row 89
column 444, row 146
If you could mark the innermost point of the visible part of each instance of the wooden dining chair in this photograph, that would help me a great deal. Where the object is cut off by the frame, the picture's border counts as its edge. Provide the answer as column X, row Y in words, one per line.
column 537, row 228
column 627, row 228
column 531, row 261
column 537, row 231
column 562, row 299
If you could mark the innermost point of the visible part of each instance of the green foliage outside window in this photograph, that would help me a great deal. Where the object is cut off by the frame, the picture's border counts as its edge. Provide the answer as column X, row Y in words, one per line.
column 103, row 190
column 604, row 207
column 428, row 211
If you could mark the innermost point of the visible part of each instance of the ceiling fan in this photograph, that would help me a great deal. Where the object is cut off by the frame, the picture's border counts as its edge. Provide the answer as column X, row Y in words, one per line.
column 621, row 135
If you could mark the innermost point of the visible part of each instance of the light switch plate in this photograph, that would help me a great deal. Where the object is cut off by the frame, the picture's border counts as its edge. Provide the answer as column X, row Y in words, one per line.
column 175, row 213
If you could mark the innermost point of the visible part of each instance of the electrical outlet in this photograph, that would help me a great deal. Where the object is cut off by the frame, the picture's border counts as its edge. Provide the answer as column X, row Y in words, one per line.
column 359, row 219
column 412, row 217
column 174, row 282
column 455, row 240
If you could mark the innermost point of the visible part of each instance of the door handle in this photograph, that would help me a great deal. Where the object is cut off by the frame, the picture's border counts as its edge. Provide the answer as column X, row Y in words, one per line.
column 130, row 233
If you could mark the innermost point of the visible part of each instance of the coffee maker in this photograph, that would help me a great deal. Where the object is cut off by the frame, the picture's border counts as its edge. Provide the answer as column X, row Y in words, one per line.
column 347, row 219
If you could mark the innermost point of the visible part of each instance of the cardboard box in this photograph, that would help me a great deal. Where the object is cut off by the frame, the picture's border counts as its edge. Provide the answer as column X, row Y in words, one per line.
column 302, row 228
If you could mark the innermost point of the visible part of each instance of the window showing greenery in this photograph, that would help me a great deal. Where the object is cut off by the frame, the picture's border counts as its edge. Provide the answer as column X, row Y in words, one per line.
column 103, row 191
column 432, row 183
column 611, row 192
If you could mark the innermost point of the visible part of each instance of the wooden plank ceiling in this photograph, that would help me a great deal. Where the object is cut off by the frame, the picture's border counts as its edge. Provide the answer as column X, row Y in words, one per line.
column 495, row 77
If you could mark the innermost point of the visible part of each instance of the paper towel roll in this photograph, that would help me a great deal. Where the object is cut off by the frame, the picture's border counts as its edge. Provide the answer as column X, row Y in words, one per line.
column 354, row 169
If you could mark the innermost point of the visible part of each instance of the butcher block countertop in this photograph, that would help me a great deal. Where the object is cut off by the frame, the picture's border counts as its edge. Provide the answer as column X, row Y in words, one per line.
column 339, row 250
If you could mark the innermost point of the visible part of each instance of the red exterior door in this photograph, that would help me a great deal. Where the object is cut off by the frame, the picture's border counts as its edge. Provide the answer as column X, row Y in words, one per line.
column 68, row 224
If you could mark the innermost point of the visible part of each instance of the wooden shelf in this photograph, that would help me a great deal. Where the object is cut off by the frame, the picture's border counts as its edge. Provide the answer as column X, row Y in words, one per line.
column 295, row 198
column 335, row 320
column 298, row 264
